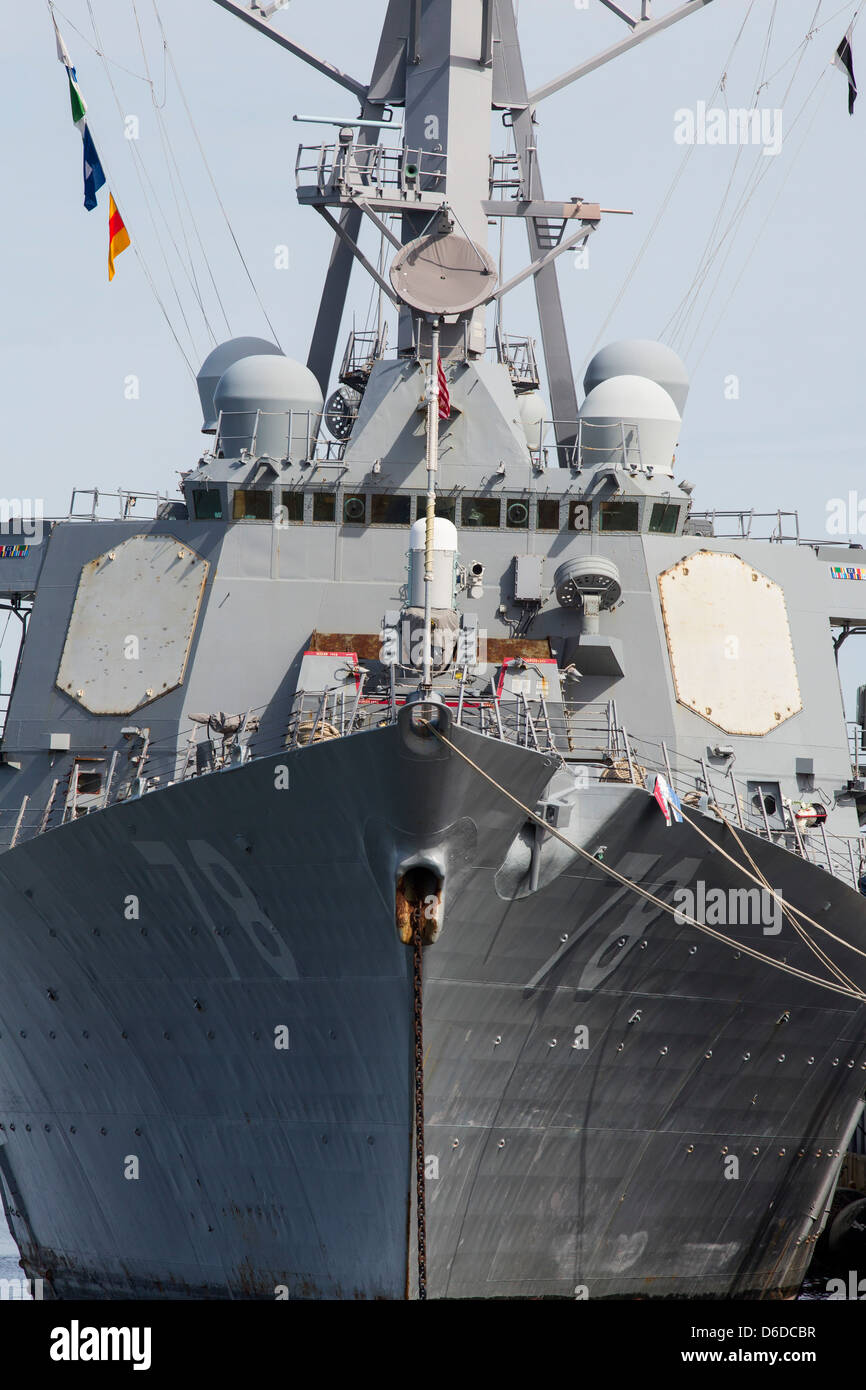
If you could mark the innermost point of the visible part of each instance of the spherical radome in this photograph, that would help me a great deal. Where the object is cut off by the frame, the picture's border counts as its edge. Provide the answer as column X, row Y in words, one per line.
column 629, row 420
column 265, row 382
column 254, row 398
column 218, row 360
column 643, row 357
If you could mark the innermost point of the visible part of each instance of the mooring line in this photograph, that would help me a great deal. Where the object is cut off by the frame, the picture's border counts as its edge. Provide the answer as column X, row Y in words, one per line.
column 682, row 917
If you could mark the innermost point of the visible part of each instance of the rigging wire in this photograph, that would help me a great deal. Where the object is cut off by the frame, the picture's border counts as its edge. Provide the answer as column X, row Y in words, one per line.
column 679, row 323
column 93, row 48
column 145, row 182
column 737, row 221
column 776, row 199
column 213, row 182
column 761, row 230
column 735, row 286
column 170, row 160
column 741, row 946
column 137, row 250
column 666, row 200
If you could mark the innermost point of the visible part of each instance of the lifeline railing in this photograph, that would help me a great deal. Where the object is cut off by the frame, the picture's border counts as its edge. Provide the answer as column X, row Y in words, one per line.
column 778, row 526
column 595, row 445
column 376, row 169
column 579, row 733
column 588, row 733
column 128, row 505
column 698, row 785
column 297, row 441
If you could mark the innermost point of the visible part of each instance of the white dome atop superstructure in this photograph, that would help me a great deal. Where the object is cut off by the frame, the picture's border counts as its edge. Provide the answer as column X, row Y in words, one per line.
column 640, row 357
column 218, row 360
column 627, row 421
column 254, row 398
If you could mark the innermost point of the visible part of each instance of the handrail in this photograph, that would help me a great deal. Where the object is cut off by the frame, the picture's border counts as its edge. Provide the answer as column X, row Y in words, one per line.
column 588, row 734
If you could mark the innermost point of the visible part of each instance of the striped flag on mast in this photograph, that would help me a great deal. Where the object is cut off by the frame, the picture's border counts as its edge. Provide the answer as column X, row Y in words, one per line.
column 118, row 236
column 844, row 61
column 444, row 397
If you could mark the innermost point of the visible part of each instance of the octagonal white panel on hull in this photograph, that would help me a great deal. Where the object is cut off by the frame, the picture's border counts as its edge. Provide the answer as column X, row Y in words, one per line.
column 729, row 643
column 132, row 624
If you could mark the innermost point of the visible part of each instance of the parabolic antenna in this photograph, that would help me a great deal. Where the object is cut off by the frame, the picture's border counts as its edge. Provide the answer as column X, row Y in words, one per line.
column 443, row 274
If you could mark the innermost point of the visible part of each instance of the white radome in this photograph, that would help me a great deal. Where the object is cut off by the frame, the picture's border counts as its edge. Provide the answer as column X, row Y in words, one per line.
column 254, row 396
column 634, row 408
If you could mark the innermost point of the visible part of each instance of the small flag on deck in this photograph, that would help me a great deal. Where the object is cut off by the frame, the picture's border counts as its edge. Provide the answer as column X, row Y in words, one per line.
column 667, row 800
column 844, row 61
column 118, row 236
column 444, row 397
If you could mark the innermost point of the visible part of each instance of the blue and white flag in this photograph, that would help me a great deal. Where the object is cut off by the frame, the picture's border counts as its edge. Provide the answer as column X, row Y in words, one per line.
column 94, row 178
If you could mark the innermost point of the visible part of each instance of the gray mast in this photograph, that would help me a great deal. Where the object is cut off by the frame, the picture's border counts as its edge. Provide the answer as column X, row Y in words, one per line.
column 449, row 63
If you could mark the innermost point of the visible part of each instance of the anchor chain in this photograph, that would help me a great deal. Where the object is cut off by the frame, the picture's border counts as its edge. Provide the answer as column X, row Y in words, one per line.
column 418, row 1029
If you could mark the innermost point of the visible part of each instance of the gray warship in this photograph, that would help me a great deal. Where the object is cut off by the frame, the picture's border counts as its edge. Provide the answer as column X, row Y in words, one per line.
column 367, row 808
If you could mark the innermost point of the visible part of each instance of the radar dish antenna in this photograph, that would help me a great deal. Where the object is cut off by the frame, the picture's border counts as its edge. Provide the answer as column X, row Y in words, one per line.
column 443, row 274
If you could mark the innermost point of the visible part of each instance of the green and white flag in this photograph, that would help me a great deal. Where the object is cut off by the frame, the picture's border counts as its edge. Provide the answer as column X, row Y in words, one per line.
column 94, row 175
column 77, row 102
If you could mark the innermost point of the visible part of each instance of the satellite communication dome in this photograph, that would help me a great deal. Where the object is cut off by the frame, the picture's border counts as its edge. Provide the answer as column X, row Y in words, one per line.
column 254, row 398
column 640, row 357
column 633, row 412
column 216, row 362
column 534, row 410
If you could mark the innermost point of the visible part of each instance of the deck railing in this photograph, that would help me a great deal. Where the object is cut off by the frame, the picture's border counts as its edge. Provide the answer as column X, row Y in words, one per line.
column 588, row 734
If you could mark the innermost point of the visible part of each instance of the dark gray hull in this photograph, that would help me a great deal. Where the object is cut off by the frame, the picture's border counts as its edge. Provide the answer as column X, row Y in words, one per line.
column 559, row 1168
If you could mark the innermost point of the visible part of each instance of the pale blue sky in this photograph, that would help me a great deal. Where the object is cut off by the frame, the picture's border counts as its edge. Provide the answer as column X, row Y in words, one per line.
column 791, row 312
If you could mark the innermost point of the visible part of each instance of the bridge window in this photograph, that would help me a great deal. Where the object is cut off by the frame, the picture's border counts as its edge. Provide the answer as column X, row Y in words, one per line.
column 618, row 516
column 547, row 514
column 445, row 506
column 479, row 511
column 292, row 504
column 664, row 518
column 517, row 514
column 207, row 504
column 390, row 508
column 324, row 506
column 251, row 504
column 354, row 509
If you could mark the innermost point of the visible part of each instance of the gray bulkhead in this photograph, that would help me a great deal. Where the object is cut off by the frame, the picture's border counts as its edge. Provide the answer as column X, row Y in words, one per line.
column 269, row 587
